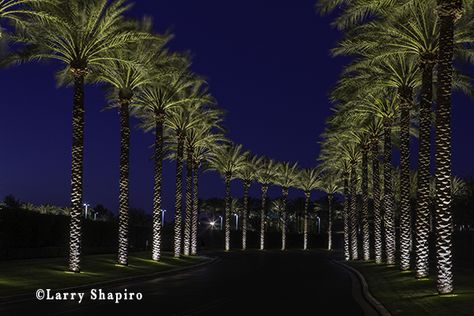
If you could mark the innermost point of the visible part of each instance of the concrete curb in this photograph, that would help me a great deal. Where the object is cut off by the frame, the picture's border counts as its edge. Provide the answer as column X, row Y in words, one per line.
column 374, row 303
column 5, row 300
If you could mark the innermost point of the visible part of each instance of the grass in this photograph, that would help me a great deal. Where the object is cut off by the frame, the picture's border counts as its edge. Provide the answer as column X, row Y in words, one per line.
column 25, row 276
column 402, row 294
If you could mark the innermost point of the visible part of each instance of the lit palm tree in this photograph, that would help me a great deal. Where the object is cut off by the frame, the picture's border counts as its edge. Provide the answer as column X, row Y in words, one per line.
column 202, row 154
column 286, row 177
column 248, row 174
column 228, row 160
column 153, row 105
column 361, row 137
column 196, row 137
column 82, row 35
column 351, row 152
column 448, row 11
column 330, row 184
column 125, row 74
column 375, row 130
column 308, row 180
column 386, row 108
column 265, row 176
column 336, row 155
column 178, row 122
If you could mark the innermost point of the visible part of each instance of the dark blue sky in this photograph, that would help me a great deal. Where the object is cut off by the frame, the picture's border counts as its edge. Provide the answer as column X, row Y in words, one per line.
column 267, row 63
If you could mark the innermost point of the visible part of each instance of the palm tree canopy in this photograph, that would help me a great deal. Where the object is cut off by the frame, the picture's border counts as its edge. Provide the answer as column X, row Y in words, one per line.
column 17, row 11
column 267, row 172
column 182, row 105
column 228, row 160
column 137, row 64
column 250, row 170
column 200, row 139
column 182, row 118
column 331, row 183
column 309, row 179
column 81, row 34
column 287, row 175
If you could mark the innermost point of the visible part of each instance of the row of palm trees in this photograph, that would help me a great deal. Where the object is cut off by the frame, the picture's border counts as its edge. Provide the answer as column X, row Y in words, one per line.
column 96, row 43
column 400, row 51
column 232, row 162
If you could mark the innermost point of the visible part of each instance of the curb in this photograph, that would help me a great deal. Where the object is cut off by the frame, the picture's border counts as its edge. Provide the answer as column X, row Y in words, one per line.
column 372, row 301
column 5, row 300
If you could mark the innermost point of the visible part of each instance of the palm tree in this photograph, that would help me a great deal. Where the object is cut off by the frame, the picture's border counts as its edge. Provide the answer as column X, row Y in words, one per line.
column 265, row 176
column 335, row 159
column 179, row 121
column 202, row 153
column 248, row 174
column 153, row 106
column 359, row 135
column 125, row 74
column 448, row 11
column 351, row 153
column 196, row 138
column 375, row 130
column 386, row 108
column 308, row 180
column 286, row 177
column 81, row 35
column 228, row 160
column 330, row 184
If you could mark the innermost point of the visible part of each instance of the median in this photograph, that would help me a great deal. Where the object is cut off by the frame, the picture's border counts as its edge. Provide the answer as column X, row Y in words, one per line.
column 402, row 294
column 19, row 277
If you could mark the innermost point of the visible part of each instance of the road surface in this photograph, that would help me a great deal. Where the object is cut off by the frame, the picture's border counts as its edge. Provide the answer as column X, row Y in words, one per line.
column 239, row 283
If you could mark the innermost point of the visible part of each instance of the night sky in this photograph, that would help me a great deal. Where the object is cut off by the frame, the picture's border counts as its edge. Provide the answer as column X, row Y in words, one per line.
column 267, row 63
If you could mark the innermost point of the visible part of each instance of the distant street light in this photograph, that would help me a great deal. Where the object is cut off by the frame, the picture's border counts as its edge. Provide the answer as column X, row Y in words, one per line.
column 236, row 221
column 213, row 224
column 86, row 206
column 221, row 221
column 319, row 224
column 163, row 218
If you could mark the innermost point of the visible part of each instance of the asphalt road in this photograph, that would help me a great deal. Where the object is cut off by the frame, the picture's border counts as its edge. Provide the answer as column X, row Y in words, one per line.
column 240, row 283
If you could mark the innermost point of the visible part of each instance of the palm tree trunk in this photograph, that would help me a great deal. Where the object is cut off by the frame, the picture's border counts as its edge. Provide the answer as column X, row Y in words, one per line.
column 77, row 171
column 123, row 188
column 194, row 227
column 365, row 204
column 406, row 99
column 228, row 178
column 307, row 195
column 346, row 217
column 448, row 12
column 245, row 214
column 262, row 216
column 376, row 199
column 330, row 197
column 178, row 195
column 424, row 153
column 284, row 192
column 353, row 214
column 189, row 201
column 389, row 218
column 158, row 174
